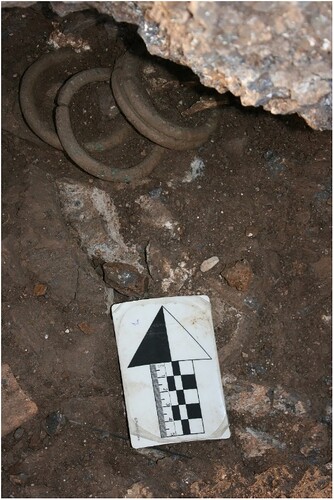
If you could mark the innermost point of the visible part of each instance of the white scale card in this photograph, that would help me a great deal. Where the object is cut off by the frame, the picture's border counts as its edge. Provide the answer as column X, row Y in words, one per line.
column 170, row 370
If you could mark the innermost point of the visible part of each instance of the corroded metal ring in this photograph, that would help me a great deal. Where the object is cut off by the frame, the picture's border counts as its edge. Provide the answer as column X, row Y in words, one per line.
column 73, row 148
column 136, row 104
column 30, row 111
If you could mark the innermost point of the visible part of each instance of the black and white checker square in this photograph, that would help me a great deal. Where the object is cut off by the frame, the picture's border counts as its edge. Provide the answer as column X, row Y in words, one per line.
column 184, row 398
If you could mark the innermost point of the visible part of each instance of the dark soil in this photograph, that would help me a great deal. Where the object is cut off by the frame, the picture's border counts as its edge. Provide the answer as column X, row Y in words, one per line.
column 263, row 197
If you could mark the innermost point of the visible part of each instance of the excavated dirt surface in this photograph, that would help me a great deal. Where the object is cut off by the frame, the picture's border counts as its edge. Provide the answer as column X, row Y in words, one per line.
column 258, row 193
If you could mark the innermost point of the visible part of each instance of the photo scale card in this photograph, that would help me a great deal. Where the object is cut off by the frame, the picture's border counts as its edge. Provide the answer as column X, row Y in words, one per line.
column 170, row 370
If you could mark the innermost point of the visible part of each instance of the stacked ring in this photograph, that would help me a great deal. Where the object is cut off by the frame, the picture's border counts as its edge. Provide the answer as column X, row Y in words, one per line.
column 30, row 108
column 136, row 105
column 73, row 148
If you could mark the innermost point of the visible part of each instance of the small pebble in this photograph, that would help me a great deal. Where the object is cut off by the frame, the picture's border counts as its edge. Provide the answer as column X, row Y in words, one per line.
column 239, row 275
column 152, row 453
column 55, row 422
column 209, row 264
column 18, row 479
column 39, row 290
column 18, row 433
column 125, row 278
column 251, row 232
column 86, row 328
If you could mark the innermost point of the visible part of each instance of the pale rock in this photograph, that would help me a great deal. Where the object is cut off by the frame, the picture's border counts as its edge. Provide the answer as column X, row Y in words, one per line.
column 209, row 264
column 256, row 443
column 17, row 407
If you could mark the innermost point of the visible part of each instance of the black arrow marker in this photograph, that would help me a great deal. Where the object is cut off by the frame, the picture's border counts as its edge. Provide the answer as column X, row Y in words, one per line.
column 154, row 347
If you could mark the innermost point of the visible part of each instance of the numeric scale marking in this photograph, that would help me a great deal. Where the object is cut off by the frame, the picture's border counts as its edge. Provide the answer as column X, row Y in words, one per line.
column 162, row 400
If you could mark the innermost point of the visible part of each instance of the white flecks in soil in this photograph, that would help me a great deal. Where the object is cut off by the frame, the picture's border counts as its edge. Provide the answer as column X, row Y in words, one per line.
column 196, row 170
column 58, row 39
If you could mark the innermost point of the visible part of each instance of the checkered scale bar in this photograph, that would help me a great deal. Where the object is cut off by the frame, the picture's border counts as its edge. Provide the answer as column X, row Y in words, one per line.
column 184, row 398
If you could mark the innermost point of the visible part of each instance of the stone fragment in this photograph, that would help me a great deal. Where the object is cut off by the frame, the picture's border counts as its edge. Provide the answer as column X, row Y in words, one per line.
column 138, row 490
column 176, row 278
column 152, row 453
column 239, row 275
column 18, row 433
column 54, row 422
column 18, row 479
column 209, row 264
column 289, row 402
column 158, row 260
column 327, row 319
column 251, row 232
column 93, row 217
column 260, row 400
column 255, row 443
column 228, row 379
column 86, row 328
column 39, row 290
column 17, row 407
column 125, row 278
column 315, row 441
column 171, row 276
column 36, row 439
column 156, row 214
column 202, row 104
column 255, row 369
column 252, row 399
